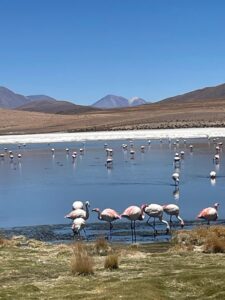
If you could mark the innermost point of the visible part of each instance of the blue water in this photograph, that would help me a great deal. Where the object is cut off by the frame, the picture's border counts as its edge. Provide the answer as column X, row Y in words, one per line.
column 40, row 187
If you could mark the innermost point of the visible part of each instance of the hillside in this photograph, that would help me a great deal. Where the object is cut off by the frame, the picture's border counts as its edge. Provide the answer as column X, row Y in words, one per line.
column 9, row 99
column 54, row 107
column 208, row 93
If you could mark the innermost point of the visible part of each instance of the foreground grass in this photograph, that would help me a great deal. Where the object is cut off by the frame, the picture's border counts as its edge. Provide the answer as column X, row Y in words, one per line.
column 35, row 270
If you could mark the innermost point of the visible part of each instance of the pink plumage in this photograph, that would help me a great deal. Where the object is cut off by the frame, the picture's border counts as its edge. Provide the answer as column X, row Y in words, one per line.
column 109, row 215
column 134, row 213
column 209, row 213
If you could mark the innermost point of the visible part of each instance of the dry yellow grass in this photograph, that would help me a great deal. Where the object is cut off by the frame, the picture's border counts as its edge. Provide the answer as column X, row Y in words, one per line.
column 149, row 272
column 111, row 262
column 101, row 246
column 204, row 239
column 82, row 263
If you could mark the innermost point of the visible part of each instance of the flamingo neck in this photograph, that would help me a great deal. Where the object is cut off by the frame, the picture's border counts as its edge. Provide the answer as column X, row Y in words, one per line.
column 87, row 211
column 99, row 214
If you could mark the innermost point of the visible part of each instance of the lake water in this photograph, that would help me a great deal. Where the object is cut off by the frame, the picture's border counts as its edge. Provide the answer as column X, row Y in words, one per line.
column 40, row 187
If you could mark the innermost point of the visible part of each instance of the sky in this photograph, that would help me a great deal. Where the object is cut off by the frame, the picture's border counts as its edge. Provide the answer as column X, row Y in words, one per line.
column 82, row 50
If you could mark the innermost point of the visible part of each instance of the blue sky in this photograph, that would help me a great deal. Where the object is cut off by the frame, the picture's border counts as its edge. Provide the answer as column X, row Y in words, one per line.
column 82, row 50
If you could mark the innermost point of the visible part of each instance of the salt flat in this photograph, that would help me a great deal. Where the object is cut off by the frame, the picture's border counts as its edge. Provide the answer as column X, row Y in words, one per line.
column 114, row 135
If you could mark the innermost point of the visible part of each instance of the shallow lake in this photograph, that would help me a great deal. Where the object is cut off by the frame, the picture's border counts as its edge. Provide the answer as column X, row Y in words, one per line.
column 40, row 187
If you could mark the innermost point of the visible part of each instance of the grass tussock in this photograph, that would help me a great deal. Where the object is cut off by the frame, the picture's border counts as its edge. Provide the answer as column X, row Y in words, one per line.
column 202, row 239
column 111, row 262
column 3, row 242
column 82, row 262
column 101, row 246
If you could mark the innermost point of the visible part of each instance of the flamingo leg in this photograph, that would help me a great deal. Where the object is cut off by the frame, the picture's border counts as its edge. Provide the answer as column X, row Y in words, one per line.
column 134, row 232
column 155, row 231
column 85, row 234
column 110, row 230
column 131, row 226
column 153, row 226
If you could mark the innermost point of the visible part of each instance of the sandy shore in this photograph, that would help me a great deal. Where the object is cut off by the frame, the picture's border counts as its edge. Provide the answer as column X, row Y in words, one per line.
column 114, row 135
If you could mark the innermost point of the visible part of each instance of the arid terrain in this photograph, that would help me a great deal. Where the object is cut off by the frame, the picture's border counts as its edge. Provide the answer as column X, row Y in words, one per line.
column 156, row 115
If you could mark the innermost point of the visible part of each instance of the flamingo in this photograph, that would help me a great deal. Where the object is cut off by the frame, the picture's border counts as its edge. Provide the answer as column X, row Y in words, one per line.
column 134, row 213
column 173, row 210
column 216, row 158
column 209, row 213
column 109, row 162
column 79, row 213
column 182, row 154
column 109, row 215
column 212, row 175
column 176, row 159
column 176, row 178
column 77, row 205
column 156, row 211
column 78, row 225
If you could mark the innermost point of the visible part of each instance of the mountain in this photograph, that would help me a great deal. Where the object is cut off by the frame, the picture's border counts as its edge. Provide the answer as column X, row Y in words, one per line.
column 112, row 101
column 135, row 101
column 52, row 106
column 40, row 98
column 208, row 93
column 39, row 103
column 9, row 99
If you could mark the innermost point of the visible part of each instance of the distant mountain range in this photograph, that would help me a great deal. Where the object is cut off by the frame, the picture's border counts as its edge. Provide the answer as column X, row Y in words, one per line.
column 112, row 101
column 39, row 103
column 46, row 104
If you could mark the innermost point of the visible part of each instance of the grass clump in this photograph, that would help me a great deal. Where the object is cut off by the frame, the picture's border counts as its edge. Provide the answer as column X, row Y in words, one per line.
column 82, row 263
column 202, row 239
column 111, row 262
column 214, row 244
column 101, row 246
column 3, row 240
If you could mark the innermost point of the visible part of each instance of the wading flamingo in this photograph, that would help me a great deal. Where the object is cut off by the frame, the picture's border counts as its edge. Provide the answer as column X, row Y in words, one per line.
column 176, row 178
column 79, row 213
column 134, row 213
column 78, row 225
column 109, row 215
column 173, row 210
column 212, row 175
column 156, row 211
column 209, row 213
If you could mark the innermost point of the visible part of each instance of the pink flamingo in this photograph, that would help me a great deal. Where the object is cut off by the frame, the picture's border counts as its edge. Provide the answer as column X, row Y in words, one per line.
column 134, row 213
column 79, row 213
column 78, row 225
column 173, row 210
column 109, row 215
column 156, row 211
column 209, row 213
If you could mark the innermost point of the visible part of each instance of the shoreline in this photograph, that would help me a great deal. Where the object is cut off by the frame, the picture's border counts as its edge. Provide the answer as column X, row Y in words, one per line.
column 206, row 132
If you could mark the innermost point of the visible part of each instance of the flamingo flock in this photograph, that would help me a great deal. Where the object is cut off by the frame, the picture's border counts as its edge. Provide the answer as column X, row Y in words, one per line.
column 163, row 213
column 80, row 214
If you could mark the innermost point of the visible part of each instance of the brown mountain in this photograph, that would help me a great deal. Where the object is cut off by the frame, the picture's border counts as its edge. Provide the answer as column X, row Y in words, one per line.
column 208, row 93
column 9, row 99
column 47, row 104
